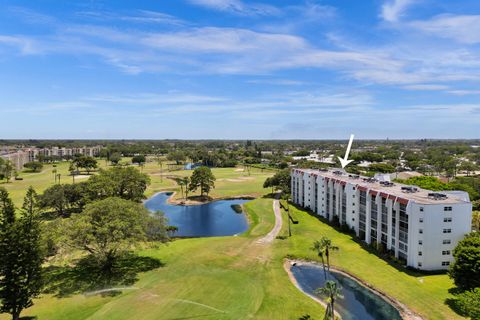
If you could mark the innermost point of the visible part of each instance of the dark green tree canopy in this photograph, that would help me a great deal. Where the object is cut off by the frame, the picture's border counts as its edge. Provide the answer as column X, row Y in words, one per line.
column 34, row 166
column 64, row 198
column 281, row 180
column 139, row 159
column 115, row 158
column 113, row 225
column 177, row 156
column 202, row 178
column 465, row 271
column 123, row 182
column 21, row 255
column 85, row 162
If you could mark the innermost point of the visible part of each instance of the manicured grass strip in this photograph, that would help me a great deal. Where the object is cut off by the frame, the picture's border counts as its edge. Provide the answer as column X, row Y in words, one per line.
column 424, row 294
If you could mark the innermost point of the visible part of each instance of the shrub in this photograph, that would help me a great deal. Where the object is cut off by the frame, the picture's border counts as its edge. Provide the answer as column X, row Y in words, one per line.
column 468, row 304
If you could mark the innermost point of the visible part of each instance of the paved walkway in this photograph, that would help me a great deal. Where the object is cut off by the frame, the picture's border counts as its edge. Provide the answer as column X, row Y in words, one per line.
column 269, row 237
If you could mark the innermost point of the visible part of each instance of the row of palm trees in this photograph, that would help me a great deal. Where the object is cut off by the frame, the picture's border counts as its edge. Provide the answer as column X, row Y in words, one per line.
column 323, row 248
column 331, row 290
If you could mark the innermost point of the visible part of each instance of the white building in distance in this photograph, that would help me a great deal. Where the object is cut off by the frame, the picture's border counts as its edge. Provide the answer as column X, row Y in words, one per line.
column 419, row 226
column 19, row 157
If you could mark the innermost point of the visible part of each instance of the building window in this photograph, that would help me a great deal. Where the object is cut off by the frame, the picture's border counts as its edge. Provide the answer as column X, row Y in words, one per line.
column 447, row 241
column 420, row 220
column 419, row 253
column 445, row 263
column 421, row 209
column 447, row 230
column 420, row 242
column 420, row 231
column 447, row 208
column 419, row 264
column 449, row 219
column 446, row 252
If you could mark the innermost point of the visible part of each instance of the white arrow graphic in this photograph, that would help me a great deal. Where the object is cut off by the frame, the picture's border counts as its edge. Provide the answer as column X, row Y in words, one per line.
column 345, row 160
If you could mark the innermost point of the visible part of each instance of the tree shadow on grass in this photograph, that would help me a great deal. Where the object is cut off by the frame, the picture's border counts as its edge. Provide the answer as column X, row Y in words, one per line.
column 88, row 276
column 454, row 304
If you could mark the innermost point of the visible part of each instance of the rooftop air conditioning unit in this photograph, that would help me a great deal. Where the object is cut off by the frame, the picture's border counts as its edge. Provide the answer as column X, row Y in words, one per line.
column 437, row 196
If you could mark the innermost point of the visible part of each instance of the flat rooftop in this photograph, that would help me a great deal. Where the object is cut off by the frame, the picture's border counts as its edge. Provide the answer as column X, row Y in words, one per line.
column 420, row 197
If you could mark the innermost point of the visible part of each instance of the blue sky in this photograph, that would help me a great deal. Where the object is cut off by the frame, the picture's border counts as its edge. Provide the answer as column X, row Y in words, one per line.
column 238, row 69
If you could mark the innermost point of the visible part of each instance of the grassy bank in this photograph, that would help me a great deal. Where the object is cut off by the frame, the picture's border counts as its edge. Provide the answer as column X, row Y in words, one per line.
column 424, row 294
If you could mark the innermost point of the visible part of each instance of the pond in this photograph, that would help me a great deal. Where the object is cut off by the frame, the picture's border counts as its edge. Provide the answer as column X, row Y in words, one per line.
column 212, row 219
column 358, row 302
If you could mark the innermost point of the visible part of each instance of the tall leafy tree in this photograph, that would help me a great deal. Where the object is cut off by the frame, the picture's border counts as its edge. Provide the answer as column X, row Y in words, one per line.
column 465, row 271
column 202, row 178
column 64, row 198
column 21, row 256
column 139, row 160
column 111, row 226
column 84, row 162
column 281, row 180
column 34, row 166
column 126, row 183
column 115, row 158
column 177, row 156
column 7, row 170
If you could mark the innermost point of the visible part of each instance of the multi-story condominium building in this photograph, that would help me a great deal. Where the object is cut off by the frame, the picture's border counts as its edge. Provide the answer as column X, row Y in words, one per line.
column 21, row 156
column 419, row 226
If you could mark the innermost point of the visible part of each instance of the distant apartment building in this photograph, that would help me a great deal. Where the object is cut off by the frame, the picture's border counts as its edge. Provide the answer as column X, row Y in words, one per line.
column 17, row 158
column 21, row 156
column 419, row 226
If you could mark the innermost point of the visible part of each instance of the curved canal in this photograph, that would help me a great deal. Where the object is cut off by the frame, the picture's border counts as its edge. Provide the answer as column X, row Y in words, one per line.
column 212, row 219
column 358, row 302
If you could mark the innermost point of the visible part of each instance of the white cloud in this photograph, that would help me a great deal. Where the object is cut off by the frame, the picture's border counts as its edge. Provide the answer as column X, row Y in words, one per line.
column 139, row 16
column 279, row 82
column 25, row 45
column 460, row 28
column 237, row 7
column 464, row 92
column 217, row 50
column 426, row 87
column 393, row 10
column 223, row 40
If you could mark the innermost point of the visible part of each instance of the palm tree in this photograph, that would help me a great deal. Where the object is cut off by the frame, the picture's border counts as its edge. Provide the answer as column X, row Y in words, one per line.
column 333, row 292
column 285, row 197
column 72, row 169
column 179, row 181
column 327, row 244
column 186, row 182
column 319, row 247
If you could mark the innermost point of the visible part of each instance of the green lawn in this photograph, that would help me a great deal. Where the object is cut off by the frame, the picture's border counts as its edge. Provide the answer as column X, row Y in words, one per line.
column 232, row 277
column 230, row 181
column 40, row 181
column 424, row 294
column 209, row 278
